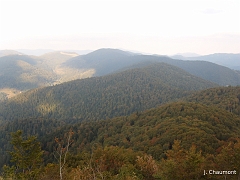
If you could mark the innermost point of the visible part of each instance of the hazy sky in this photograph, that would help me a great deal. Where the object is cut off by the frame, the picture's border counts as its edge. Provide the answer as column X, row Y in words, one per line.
column 161, row 27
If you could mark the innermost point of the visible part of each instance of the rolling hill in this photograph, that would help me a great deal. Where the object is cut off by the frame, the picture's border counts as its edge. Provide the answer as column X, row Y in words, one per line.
column 227, row 98
column 54, row 60
column 105, row 61
column 104, row 97
column 20, row 72
column 153, row 131
column 225, row 59
column 23, row 72
column 208, row 119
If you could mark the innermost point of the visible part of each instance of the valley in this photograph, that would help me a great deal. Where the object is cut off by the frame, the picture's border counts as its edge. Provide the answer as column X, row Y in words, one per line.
column 120, row 115
column 24, row 72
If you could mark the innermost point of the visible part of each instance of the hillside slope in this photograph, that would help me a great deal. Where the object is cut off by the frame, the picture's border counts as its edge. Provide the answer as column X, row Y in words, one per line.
column 105, row 61
column 20, row 72
column 225, row 59
column 227, row 98
column 54, row 60
column 104, row 97
column 23, row 72
column 155, row 130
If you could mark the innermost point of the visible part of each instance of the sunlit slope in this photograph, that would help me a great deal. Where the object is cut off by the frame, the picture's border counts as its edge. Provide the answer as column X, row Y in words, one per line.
column 105, row 61
column 154, row 131
column 54, row 60
column 23, row 72
column 20, row 72
column 108, row 96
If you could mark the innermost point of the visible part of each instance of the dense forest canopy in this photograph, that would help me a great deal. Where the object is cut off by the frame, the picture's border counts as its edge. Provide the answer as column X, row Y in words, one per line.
column 205, row 131
column 153, row 120
column 227, row 98
column 100, row 97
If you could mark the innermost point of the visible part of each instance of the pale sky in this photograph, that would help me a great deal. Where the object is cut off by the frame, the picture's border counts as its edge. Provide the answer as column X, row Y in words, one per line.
column 160, row 27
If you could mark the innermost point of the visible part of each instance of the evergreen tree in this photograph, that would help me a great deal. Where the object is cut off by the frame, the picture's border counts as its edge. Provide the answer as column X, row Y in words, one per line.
column 26, row 157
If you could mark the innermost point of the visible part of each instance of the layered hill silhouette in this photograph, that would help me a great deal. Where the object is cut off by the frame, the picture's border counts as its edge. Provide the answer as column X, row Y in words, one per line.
column 145, row 109
column 20, row 72
column 104, row 97
column 105, row 61
column 225, row 59
column 152, row 131
column 54, row 61
column 23, row 72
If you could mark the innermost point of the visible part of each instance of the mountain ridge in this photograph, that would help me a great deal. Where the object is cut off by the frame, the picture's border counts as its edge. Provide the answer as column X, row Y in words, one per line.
column 24, row 72
column 230, row 60
column 104, row 65
column 124, row 92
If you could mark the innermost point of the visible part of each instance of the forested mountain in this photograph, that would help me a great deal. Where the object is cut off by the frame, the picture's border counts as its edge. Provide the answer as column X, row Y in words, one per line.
column 225, row 59
column 20, row 72
column 105, row 61
column 108, row 96
column 154, row 130
column 40, row 127
column 212, row 131
column 148, row 117
column 54, row 60
column 227, row 98
column 23, row 72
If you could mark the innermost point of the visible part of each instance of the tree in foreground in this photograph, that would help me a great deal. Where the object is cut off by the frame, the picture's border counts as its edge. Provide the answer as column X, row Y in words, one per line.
column 62, row 150
column 26, row 157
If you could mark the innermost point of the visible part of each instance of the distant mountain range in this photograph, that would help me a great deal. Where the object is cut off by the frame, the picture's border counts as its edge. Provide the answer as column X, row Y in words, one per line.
column 121, row 93
column 225, row 59
column 24, row 72
column 21, row 72
column 106, row 61
column 122, row 102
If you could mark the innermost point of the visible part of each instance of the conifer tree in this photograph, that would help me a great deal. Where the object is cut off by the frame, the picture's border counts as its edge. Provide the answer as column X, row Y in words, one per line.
column 26, row 157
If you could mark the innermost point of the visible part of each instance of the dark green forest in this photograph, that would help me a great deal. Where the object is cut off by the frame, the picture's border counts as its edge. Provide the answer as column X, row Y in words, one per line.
column 222, row 97
column 159, row 136
column 148, row 121
column 107, row 96
column 23, row 72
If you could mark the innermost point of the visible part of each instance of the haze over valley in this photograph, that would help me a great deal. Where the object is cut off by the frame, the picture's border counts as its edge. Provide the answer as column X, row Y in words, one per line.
column 22, row 72
column 108, row 95
column 125, row 90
